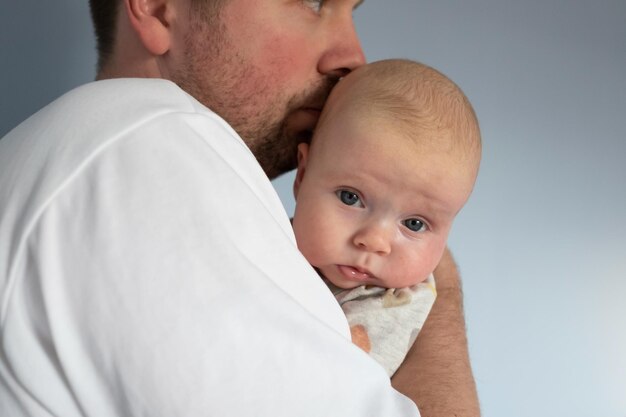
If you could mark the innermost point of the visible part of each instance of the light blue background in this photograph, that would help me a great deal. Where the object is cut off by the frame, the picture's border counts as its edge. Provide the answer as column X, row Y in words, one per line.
column 542, row 242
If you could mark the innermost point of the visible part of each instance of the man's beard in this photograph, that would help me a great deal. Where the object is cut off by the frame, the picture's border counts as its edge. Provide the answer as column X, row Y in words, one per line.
column 214, row 74
column 276, row 145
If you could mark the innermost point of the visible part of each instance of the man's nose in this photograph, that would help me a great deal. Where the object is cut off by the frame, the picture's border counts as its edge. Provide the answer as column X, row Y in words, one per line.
column 374, row 237
column 344, row 52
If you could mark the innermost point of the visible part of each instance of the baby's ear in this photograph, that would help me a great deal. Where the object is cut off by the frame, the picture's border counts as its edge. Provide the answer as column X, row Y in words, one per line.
column 303, row 154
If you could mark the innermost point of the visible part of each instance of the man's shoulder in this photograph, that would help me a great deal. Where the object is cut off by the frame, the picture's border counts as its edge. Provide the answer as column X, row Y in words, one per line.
column 98, row 114
column 129, row 99
column 122, row 117
column 106, row 107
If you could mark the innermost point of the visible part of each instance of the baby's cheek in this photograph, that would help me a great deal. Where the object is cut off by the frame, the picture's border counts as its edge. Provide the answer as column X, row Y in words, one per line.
column 307, row 248
column 412, row 269
column 314, row 246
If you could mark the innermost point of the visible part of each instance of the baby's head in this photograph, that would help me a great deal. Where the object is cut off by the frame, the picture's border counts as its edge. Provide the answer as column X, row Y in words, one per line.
column 394, row 158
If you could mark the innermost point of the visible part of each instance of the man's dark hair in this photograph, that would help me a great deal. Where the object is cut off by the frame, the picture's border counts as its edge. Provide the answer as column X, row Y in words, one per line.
column 104, row 16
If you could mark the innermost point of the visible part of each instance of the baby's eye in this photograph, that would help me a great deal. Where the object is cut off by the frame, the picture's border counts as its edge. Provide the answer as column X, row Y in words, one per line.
column 415, row 225
column 349, row 198
column 315, row 5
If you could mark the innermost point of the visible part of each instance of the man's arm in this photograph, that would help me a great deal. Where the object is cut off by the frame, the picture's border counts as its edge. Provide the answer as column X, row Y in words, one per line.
column 436, row 373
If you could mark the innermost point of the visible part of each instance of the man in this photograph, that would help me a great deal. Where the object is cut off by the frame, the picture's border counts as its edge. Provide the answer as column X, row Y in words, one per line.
column 148, row 268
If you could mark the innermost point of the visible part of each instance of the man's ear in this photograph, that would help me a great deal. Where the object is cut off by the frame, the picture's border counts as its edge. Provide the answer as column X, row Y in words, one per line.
column 151, row 21
column 303, row 154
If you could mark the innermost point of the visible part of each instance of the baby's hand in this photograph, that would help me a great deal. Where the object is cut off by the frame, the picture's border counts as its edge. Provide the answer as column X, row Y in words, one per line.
column 360, row 337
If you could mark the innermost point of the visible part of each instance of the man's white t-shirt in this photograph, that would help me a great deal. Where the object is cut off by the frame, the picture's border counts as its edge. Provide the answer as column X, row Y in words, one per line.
column 147, row 268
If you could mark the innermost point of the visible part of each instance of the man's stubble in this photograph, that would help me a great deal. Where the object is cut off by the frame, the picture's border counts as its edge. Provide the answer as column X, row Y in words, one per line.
column 222, row 79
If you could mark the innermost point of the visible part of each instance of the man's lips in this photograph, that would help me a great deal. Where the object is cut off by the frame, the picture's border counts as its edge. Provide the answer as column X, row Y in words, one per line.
column 354, row 274
column 313, row 111
column 305, row 118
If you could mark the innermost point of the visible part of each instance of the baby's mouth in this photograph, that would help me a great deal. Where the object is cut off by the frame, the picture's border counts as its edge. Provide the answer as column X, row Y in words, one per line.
column 354, row 273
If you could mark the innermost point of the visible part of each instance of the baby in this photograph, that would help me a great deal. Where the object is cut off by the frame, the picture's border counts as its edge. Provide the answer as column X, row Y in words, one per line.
column 394, row 158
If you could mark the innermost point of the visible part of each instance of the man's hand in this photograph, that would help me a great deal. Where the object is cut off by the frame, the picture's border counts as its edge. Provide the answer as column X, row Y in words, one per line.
column 436, row 373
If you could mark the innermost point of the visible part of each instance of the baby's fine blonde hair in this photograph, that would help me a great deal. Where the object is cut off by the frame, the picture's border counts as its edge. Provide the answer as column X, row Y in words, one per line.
column 420, row 100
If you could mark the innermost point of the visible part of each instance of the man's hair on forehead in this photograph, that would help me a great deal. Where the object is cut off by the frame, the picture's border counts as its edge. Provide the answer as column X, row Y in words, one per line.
column 418, row 98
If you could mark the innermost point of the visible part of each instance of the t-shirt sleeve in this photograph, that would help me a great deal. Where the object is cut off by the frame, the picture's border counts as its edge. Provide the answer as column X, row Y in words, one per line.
column 161, row 280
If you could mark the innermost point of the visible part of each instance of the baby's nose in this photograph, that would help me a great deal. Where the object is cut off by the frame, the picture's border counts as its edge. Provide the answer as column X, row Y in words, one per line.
column 374, row 237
